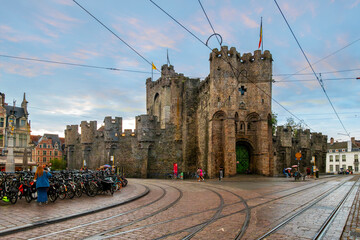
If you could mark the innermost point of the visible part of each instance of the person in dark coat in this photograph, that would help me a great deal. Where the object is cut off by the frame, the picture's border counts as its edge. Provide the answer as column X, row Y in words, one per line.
column 42, row 184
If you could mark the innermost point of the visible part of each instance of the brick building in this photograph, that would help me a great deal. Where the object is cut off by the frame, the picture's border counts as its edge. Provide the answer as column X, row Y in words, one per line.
column 222, row 121
column 48, row 147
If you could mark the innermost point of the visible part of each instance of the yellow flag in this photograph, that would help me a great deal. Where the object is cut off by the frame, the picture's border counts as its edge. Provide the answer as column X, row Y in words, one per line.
column 153, row 66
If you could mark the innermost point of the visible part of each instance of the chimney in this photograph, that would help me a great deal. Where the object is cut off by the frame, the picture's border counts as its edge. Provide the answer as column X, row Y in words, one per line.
column 331, row 141
column 2, row 99
column 349, row 146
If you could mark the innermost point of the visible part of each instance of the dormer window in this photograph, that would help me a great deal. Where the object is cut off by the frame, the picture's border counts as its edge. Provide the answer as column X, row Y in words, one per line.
column 22, row 122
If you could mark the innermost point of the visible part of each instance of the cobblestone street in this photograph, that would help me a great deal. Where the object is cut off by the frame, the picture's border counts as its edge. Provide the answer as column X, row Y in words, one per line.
column 242, row 207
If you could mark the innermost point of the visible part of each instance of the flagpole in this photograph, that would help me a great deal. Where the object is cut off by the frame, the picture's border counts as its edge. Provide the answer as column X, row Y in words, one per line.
column 152, row 73
column 262, row 39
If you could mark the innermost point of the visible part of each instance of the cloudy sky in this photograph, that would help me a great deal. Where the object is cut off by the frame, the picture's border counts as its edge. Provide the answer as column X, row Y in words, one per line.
column 60, row 30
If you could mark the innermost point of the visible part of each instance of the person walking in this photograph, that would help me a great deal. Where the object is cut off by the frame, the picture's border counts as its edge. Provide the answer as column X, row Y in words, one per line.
column 221, row 173
column 42, row 184
column 199, row 172
column 308, row 171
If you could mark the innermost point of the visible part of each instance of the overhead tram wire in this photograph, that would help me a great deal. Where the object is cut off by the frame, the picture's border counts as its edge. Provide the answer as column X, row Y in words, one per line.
column 151, row 64
column 322, row 59
column 72, row 64
column 321, row 84
column 299, row 74
column 301, row 120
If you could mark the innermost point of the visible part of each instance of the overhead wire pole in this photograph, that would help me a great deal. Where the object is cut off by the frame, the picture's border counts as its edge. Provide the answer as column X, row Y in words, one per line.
column 115, row 34
column 231, row 65
column 320, row 82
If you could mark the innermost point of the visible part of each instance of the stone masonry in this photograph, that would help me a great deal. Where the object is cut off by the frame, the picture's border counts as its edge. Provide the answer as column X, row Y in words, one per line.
column 222, row 121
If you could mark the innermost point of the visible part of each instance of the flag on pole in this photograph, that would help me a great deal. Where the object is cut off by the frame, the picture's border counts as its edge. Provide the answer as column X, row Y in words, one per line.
column 260, row 40
column 153, row 66
column 167, row 56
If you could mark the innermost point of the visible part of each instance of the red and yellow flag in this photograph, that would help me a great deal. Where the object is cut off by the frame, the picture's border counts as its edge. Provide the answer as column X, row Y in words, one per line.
column 260, row 40
column 153, row 66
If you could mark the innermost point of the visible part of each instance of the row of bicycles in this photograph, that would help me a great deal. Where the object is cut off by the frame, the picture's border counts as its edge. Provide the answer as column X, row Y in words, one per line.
column 63, row 184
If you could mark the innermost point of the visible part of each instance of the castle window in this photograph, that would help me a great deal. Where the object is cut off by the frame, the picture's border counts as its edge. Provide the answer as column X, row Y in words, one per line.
column 50, row 153
column 44, row 152
column 262, row 101
column 44, row 145
column 44, row 159
column 249, row 126
column 1, row 122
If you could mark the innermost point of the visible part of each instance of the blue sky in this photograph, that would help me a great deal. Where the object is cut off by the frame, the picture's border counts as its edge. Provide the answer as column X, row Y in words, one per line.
column 59, row 30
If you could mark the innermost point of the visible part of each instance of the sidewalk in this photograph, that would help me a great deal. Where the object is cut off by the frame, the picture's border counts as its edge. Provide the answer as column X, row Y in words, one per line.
column 27, row 215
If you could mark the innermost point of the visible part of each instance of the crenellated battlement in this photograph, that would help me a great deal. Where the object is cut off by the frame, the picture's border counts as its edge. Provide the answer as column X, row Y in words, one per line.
column 88, row 131
column 230, row 55
column 72, row 134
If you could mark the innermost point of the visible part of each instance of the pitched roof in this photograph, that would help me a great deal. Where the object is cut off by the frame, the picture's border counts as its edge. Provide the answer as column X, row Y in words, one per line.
column 35, row 138
column 340, row 145
column 18, row 112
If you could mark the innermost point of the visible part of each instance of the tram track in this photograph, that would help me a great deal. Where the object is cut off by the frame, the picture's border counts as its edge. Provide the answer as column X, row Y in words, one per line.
column 164, row 191
column 193, row 230
column 311, row 204
column 205, row 223
column 103, row 235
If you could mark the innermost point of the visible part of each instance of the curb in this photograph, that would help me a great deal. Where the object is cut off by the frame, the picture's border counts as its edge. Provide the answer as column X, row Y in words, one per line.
column 65, row 218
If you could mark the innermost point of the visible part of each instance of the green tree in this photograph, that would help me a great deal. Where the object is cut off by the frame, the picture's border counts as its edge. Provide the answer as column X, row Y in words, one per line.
column 295, row 126
column 58, row 164
column 274, row 122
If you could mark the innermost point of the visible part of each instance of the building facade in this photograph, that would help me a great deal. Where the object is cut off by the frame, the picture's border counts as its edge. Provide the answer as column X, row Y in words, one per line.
column 342, row 156
column 223, row 121
column 47, row 148
column 15, row 119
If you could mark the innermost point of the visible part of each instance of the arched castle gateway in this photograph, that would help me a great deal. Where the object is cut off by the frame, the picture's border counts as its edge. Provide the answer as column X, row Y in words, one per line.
column 222, row 121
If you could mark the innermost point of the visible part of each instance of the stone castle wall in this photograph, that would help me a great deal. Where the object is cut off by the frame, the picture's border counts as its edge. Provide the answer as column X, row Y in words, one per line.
column 197, row 124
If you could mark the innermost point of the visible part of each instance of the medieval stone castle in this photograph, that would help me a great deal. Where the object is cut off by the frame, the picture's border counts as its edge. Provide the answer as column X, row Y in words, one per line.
column 223, row 121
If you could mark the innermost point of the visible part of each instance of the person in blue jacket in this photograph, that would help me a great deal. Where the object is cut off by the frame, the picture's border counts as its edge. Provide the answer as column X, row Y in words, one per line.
column 42, row 184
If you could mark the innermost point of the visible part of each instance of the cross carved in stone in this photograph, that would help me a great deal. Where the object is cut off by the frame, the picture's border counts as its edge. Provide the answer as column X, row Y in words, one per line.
column 242, row 90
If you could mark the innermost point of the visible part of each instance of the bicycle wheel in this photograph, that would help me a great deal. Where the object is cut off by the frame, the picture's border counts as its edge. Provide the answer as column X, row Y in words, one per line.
column 62, row 193
column 70, row 193
column 28, row 198
column 78, row 191
column 13, row 198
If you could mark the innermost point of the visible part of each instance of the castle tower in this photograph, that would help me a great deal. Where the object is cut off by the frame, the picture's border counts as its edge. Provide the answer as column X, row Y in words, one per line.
column 239, row 118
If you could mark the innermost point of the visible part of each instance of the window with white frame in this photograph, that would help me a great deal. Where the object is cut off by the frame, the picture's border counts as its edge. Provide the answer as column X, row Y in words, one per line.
column 337, row 157
column 337, row 168
column 356, row 158
column 331, row 158
column 344, row 166
column 343, row 158
column 356, row 168
column 331, row 168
